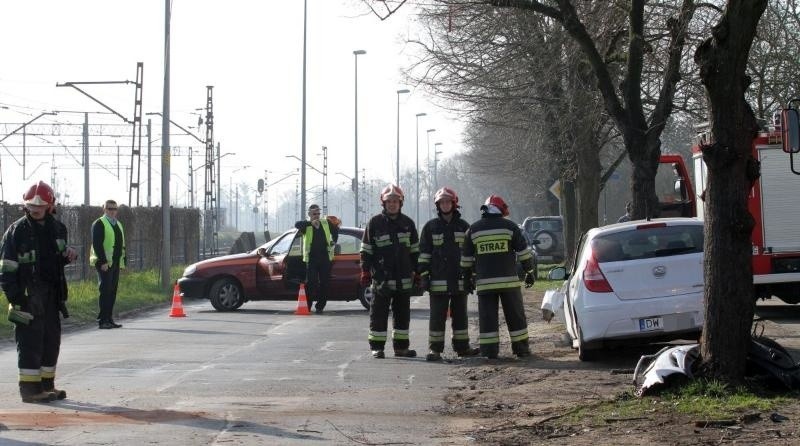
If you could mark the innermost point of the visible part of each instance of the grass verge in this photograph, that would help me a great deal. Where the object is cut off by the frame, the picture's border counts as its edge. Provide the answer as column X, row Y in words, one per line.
column 700, row 399
column 137, row 290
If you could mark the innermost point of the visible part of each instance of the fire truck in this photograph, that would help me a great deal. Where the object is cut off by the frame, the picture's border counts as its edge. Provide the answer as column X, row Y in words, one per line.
column 773, row 203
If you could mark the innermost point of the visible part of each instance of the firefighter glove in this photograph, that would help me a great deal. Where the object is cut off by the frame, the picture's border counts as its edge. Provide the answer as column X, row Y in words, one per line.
column 366, row 279
column 17, row 316
column 469, row 282
column 530, row 278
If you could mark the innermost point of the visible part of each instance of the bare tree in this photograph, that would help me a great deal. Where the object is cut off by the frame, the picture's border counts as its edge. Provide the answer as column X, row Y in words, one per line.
column 529, row 96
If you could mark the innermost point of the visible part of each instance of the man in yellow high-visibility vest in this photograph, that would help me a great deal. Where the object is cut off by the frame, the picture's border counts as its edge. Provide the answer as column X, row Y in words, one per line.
column 319, row 240
column 108, row 257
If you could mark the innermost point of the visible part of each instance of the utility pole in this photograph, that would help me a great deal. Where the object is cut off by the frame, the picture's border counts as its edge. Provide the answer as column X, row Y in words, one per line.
column 166, row 223
column 266, row 206
column 324, row 180
column 86, row 159
column 210, row 203
column 149, row 161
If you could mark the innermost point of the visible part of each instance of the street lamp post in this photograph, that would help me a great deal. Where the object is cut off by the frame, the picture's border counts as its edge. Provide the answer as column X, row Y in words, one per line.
column 416, row 140
column 436, row 154
column 303, row 165
column 397, row 167
column 356, row 53
column 428, row 163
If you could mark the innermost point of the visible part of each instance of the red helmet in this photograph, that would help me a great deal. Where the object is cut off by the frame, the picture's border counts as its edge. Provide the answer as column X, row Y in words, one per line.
column 446, row 192
column 40, row 194
column 392, row 191
column 498, row 202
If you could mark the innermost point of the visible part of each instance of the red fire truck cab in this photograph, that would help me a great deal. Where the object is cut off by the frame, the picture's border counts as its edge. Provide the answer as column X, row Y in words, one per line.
column 773, row 204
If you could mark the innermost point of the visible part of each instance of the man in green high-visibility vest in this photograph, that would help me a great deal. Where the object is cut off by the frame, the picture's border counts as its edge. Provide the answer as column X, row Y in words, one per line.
column 319, row 239
column 108, row 257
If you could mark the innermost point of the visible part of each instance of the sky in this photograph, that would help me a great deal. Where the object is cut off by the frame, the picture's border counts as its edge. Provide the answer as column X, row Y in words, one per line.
column 250, row 51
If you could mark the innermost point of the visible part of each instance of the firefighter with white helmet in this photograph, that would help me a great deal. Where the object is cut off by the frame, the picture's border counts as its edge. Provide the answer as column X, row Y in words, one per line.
column 440, row 245
column 492, row 247
column 32, row 258
column 389, row 252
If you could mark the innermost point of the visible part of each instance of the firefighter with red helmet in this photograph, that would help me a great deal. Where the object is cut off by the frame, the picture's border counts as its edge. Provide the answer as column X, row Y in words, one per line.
column 389, row 252
column 440, row 245
column 32, row 258
column 492, row 247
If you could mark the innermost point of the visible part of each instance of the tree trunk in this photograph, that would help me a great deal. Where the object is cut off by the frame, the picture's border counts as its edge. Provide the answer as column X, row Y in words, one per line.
column 569, row 211
column 644, row 159
column 729, row 302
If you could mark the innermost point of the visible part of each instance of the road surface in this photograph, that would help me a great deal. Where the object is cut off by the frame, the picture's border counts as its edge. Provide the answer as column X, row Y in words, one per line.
column 260, row 375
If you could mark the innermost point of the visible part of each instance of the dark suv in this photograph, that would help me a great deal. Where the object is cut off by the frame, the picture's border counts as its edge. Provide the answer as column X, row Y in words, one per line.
column 549, row 232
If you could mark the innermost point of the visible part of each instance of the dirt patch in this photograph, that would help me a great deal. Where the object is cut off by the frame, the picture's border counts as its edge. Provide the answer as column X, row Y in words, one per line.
column 553, row 397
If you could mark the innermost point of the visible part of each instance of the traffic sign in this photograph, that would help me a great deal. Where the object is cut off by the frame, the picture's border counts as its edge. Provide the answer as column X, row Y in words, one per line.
column 555, row 189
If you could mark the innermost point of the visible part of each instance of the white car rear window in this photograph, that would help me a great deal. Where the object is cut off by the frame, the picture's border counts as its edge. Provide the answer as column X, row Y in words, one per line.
column 648, row 242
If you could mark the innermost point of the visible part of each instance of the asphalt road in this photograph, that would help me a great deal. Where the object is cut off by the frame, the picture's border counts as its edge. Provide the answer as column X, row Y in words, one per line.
column 260, row 375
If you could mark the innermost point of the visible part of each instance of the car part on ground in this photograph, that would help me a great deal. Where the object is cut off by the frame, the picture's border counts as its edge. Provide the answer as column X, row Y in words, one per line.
column 674, row 365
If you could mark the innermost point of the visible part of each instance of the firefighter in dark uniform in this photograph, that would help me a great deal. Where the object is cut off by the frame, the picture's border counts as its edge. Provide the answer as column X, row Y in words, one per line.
column 492, row 247
column 389, row 252
column 319, row 241
column 32, row 258
column 440, row 272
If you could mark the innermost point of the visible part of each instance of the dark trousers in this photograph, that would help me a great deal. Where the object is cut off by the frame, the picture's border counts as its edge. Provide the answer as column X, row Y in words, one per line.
column 318, row 276
column 108, row 282
column 39, row 343
column 440, row 304
column 511, row 299
column 400, row 304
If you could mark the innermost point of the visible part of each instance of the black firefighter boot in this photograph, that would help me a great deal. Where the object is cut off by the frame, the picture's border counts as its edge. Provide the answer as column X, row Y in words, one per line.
column 48, row 385
column 405, row 353
column 521, row 348
column 31, row 392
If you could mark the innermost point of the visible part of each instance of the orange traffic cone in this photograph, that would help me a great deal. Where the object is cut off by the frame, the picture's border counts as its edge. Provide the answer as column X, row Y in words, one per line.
column 177, row 303
column 302, row 302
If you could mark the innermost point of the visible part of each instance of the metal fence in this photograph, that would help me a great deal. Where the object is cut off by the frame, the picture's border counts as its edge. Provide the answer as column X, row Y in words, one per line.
column 143, row 235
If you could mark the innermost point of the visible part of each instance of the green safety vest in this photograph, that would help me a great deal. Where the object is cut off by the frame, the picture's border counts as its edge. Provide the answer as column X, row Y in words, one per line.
column 108, row 243
column 307, row 239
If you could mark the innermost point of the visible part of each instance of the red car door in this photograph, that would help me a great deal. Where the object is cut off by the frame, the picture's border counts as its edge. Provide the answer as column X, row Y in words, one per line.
column 346, row 269
column 271, row 269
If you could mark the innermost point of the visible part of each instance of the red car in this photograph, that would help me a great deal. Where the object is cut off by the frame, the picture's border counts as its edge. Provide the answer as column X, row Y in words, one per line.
column 273, row 272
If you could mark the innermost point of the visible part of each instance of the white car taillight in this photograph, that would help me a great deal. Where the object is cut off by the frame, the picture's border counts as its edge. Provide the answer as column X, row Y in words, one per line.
column 593, row 277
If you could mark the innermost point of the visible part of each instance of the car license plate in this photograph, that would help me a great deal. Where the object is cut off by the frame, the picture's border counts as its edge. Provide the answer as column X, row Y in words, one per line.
column 651, row 323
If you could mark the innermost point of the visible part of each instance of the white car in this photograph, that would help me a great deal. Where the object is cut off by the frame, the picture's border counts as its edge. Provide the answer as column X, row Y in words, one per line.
column 638, row 281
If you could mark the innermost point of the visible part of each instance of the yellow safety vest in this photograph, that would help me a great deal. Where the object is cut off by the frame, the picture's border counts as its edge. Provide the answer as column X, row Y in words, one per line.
column 108, row 243
column 307, row 239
